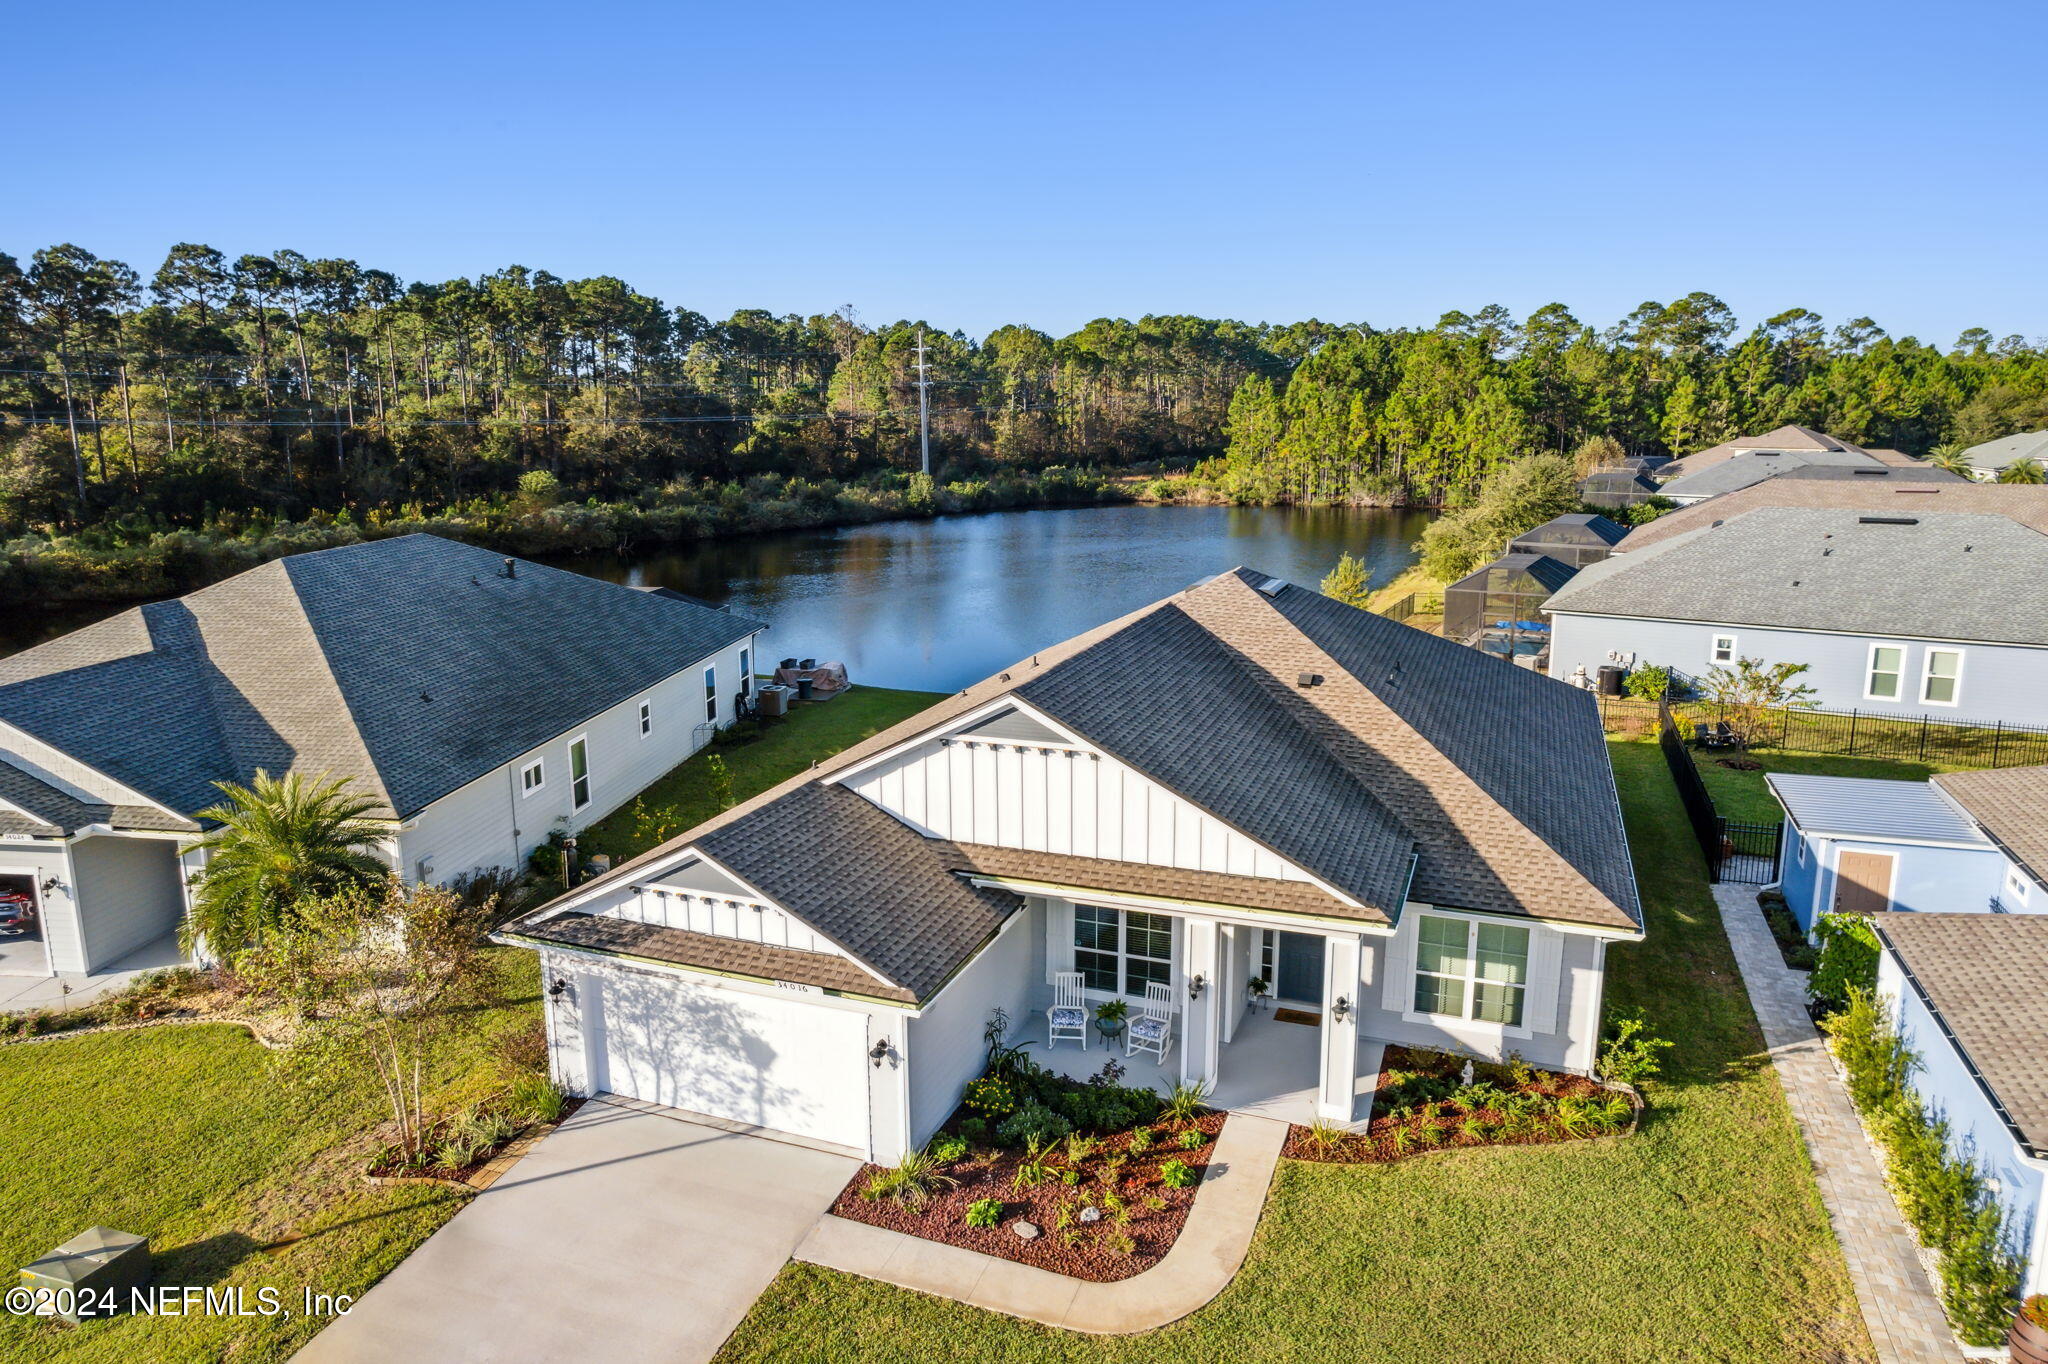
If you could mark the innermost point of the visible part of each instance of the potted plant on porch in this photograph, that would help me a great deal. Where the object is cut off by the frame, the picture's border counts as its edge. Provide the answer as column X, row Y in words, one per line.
column 1258, row 987
column 1109, row 1017
column 2027, row 1343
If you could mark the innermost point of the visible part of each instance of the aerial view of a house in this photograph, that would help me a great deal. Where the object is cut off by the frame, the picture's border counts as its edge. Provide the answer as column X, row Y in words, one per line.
column 1990, row 459
column 819, row 959
column 406, row 666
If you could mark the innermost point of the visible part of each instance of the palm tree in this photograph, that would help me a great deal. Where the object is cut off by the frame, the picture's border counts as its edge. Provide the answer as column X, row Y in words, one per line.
column 1950, row 457
column 278, row 842
column 2025, row 469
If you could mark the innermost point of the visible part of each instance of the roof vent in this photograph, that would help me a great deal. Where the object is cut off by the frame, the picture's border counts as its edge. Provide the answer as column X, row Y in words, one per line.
column 1887, row 520
column 511, row 568
column 1271, row 587
column 1308, row 680
column 1868, row 473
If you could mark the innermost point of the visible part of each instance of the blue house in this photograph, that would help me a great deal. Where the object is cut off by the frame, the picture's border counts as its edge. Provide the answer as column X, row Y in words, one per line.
column 1862, row 846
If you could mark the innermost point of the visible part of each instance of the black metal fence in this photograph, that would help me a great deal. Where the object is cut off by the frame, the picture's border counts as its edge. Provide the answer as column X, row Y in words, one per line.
column 1955, row 743
column 1735, row 850
column 1414, row 604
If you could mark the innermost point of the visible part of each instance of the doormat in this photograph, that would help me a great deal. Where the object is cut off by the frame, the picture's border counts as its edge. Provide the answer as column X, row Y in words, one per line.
column 1298, row 1016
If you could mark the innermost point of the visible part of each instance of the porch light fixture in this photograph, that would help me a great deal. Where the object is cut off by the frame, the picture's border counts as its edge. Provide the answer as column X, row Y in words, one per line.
column 50, row 886
column 1196, row 985
column 1340, row 1008
column 879, row 1052
column 558, row 989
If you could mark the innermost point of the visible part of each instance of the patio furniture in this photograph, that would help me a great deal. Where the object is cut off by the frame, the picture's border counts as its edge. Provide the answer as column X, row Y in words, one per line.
column 1152, row 1029
column 1068, row 1016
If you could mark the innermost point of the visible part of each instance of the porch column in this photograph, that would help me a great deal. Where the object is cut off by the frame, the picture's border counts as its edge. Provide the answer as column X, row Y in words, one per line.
column 1200, row 1033
column 1338, row 1089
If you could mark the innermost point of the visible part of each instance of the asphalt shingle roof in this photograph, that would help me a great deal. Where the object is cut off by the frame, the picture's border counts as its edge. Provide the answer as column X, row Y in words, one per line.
column 2027, row 505
column 1743, row 470
column 631, row 938
column 1994, row 455
column 2011, row 805
column 1985, row 979
column 411, row 665
column 1839, row 570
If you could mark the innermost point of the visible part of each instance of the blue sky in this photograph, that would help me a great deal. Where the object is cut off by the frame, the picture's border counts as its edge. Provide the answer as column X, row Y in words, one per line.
column 1051, row 162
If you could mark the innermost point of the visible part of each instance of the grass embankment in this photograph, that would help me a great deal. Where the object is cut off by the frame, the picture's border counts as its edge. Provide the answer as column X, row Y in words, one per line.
column 1702, row 1237
column 189, row 1135
column 686, row 797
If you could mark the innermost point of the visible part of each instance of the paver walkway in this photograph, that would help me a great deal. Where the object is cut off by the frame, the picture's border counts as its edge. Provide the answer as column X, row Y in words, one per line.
column 624, row 1235
column 1899, row 1304
column 1203, row 1260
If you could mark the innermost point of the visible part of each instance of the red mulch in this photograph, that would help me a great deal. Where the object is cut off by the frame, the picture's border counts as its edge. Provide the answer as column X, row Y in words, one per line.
column 1081, row 1250
column 1376, row 1143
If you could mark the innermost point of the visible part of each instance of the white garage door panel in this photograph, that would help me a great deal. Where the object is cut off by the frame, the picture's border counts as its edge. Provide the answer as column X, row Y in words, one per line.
column 768, row 1062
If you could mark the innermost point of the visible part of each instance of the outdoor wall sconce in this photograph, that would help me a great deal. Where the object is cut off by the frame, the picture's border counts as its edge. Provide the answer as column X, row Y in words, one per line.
column 1196, row 985
column 879, row 1052
column 1340, row 1008
column 558, row 989
column 51, row 885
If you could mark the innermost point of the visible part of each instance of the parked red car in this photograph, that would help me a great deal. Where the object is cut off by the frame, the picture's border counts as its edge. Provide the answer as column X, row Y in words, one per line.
column 17, row 912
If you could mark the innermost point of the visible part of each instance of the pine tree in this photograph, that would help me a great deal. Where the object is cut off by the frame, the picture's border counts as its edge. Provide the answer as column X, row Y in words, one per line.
column 1349, row 582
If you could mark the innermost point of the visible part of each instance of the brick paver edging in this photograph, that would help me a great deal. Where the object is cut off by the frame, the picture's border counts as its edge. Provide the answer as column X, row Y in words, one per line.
column 1906, row 1323
column 1202, row 1261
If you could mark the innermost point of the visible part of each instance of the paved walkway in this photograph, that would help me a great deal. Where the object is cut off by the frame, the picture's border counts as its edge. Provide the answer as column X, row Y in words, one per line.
column 1204, row 1258
column 624, row 1235
column 1899, row 1303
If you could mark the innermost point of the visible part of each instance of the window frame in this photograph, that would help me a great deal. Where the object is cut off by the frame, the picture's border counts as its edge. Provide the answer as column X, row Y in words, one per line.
column 579, row 787
column 1714, row 650
column 1471, row 979
column 2016, row 884
column 1898, row 674
column 1927, row 676
column 539, row 768
column 647, row 718
column 711, row 694
column 746, row 670
column 1122, row 953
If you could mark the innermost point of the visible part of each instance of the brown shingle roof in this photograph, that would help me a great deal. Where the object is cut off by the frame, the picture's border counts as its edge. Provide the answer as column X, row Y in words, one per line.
column 2011, row 805
column 1144, row 878
column 2026, row 504
column 761, row 961
column 1985, row 979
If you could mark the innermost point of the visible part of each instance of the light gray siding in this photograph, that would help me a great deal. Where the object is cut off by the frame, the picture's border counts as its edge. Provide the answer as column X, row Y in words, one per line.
column 62, row 936
column 946, row 1043
column 130, row 893
column 2000, row 682
column 492, row 822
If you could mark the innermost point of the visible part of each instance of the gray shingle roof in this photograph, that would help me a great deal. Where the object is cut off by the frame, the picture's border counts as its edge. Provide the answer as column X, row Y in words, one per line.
column 2011, row 805
column 1985, row 979
column 411, row 665
column 2024, row 504
column 1830, row 569
column 1892, row 473
column 1994, row 455
column 762, row 961
column 1871, row 807
column 50, row 811
column 1743, row 470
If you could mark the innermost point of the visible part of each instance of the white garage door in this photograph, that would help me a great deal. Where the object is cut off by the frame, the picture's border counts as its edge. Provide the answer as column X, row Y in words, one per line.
column 775, row 1063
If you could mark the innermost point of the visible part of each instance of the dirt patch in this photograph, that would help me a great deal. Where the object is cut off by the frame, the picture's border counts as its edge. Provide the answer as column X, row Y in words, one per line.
column 1137, row 1217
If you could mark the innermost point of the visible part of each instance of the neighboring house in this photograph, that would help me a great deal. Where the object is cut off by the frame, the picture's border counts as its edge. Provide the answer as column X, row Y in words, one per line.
column 2009, row 806
column 1785, row 440
column 1969, row 995
column 1410, row 841
column 1932, row 615
column 1988, row 461
column 2024, row 504
column 1746, row 471
column 1498, row 607
column 1616, row 488
column 480, row 701
column 1576, row 539
column 1861, row 845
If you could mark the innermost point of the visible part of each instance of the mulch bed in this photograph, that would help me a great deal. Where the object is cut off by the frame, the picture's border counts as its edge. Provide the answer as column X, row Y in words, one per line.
column 1377, row 1142
column 1080, row 1250
column 441, row 1174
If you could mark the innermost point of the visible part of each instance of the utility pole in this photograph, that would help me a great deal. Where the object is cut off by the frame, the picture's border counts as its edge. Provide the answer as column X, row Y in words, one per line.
column 924, row 421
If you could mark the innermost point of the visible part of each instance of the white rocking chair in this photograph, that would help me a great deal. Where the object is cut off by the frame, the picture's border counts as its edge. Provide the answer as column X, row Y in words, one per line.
column 1152, row 1029
column 1068, row 1016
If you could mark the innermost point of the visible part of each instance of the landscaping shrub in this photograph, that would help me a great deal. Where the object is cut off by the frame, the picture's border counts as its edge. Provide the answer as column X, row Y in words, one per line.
column 1629, row 1051
column 1649, row 682
column 947, row 1149
column 1847, row 960
column 537, row 1096
column 984, row 1212
column 1032, row 1122
column 1797, row 952
column 1175, row 1174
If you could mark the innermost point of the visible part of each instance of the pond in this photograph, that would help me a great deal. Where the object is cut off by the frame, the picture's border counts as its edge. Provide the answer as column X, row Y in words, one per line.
column 935, row 605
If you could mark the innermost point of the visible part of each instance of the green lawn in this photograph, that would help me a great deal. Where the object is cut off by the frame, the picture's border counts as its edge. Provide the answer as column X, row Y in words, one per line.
column 1743, row 795
column 809, row 733
column 188, row 1134
column 1702, row 1237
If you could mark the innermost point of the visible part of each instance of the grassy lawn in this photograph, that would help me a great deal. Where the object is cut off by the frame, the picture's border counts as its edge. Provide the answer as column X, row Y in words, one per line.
column 1702, row 1237
column 811, row 731
column 1743, row 795
column 189, row 1135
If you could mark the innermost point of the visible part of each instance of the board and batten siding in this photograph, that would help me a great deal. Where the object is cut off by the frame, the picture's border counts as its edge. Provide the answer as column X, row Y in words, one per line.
column 1058, row 800
column 1999, row 681
column 946, row 1048
column 747, row 920
column 1944, row 1083
column 132, row 892
column 492, row 822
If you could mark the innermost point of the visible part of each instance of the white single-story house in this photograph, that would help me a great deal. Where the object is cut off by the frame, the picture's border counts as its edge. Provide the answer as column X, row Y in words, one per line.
column 482, row 702
column 1905, row 613
column 1969, row 995
column 1988, row 460
column 1409, row 841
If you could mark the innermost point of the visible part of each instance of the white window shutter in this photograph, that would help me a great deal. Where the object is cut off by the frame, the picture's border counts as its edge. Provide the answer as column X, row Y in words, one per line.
column 1546, row 958
column 1059, row 937
column 1397, row 988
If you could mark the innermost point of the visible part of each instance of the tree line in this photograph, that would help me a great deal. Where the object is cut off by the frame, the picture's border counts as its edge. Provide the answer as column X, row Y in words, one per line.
column 281, row 385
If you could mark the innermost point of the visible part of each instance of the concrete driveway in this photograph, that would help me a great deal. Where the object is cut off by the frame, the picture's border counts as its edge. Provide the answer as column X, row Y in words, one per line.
column 623, row 1235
